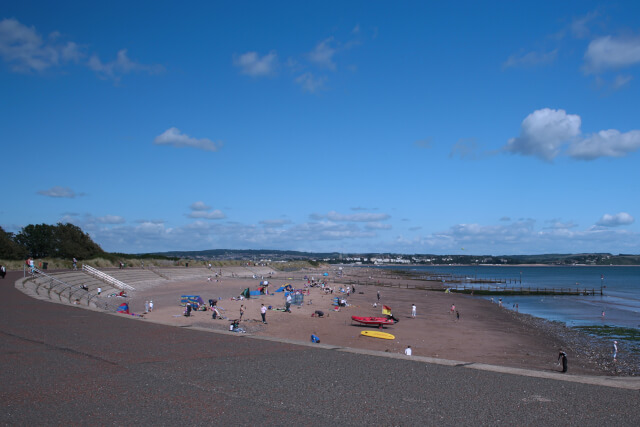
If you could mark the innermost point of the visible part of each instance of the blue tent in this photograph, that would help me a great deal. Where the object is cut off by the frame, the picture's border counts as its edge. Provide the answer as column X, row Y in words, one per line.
column 191, row 299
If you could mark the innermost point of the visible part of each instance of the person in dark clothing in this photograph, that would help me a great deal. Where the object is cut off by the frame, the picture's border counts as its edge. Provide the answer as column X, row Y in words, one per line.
column 188, row 312
column 562, row 356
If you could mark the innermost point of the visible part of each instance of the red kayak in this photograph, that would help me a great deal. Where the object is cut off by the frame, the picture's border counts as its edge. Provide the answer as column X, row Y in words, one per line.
column 375, row 321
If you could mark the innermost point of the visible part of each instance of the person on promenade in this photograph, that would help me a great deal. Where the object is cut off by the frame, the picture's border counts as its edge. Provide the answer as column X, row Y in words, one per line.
column 407, row 351
column 413, row 310
column 241, row 311
column 615, row 350
column 562, row 356
column 263, row 313
column 3, row 271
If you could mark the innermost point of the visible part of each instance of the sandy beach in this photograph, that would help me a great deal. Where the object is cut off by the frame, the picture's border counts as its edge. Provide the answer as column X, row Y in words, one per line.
column 484, row 333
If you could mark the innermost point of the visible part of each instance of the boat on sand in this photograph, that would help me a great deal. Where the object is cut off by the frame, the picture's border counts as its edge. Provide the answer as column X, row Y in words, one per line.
column 373, row 321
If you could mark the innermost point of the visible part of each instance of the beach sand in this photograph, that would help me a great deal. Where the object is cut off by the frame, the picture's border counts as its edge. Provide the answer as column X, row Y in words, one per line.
column 485, row 332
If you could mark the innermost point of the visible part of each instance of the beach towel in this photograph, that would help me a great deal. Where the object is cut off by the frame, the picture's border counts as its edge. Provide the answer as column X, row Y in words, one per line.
column 124, row 308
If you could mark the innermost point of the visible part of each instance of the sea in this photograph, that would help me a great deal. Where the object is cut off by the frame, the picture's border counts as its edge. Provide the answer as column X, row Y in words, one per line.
column 618, row 306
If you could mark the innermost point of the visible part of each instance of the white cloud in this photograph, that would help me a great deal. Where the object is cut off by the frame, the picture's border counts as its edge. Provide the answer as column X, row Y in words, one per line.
column 59, row 192
column 26, row 51
column 467, row 148
column 175, row 138
column 362, row 217
column 522, row 237
column 548, row 133
column 310, row 83
column 322, row 54
column 275, row 222
column 616, row 220
column 621, row 81
column 531, row 59
column 606, row 143
column 377, row 226
column 120, row 66
column 544, row 132
column 215, row 214
column 200, row 210
column 252, row 64
column 580, row 26
column 110, row 219
column 423, row 143
column 199, row 206
column 612, row 53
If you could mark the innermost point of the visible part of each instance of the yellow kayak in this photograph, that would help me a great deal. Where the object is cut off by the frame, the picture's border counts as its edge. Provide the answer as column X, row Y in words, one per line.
column 377, row 334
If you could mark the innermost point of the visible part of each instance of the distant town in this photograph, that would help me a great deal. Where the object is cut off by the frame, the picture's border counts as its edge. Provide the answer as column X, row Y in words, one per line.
column 268, row 256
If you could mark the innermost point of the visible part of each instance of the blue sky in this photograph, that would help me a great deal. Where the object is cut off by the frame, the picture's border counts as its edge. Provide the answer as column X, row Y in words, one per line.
column 408, row 127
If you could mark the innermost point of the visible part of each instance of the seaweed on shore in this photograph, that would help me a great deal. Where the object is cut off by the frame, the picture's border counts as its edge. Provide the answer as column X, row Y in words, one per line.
column 613, row 332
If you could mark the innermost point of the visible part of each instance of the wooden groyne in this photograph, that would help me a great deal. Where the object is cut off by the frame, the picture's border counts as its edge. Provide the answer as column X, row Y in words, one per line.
column 483, row 290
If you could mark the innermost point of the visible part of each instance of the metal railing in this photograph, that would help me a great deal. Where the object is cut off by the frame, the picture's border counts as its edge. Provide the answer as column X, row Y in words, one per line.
column 50, row 283
column 106, row 278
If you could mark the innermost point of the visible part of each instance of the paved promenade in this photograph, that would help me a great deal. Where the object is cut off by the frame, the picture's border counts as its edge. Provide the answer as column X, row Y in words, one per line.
column 67, row 365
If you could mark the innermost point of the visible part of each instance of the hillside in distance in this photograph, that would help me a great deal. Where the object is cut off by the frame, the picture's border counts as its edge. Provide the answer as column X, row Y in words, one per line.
column 256, row 255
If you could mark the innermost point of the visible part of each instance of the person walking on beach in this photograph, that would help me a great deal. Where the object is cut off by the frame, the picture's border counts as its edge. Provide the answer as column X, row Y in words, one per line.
column 241, row 311
column 615, row 350
column 146, row 306
column 457, row 315
column 413, row 310
column 263, row 313
column 378, row 296
column 150, row 306
column 287, row 307
column 562, row 356
column 453, row 309
column 407, row 351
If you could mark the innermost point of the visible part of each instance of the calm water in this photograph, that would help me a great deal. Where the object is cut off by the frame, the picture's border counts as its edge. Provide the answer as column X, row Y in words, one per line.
column 620, row 302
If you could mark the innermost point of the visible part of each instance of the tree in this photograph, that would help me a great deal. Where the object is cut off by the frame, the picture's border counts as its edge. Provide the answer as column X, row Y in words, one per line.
column 38, row 240
column 9, row 249
column 59, row 241
column 71, row 241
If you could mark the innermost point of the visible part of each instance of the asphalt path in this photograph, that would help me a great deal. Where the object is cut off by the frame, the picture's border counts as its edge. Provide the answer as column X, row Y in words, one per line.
column 67, row 365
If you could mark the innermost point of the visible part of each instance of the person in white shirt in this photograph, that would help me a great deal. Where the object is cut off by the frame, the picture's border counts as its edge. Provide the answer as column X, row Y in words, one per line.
column 407, row 351
column 263, row 313
column 413, row 310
